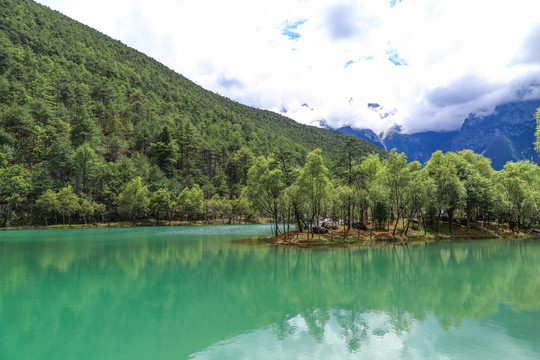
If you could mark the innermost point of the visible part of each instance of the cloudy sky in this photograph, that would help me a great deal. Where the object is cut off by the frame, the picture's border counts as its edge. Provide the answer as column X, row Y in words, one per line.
column 433, row 61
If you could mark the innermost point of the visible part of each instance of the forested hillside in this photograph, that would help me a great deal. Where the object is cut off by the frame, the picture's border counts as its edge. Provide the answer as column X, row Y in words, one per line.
column 78, row 108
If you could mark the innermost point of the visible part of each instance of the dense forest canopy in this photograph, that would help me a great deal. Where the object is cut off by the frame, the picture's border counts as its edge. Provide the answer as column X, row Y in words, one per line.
column 78, row 108
column 91, row 130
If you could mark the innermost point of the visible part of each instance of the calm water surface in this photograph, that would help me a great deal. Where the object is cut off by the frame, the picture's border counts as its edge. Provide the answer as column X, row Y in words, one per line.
column 204, row 293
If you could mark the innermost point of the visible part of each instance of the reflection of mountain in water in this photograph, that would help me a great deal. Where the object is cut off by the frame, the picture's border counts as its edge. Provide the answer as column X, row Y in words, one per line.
column 181, row 296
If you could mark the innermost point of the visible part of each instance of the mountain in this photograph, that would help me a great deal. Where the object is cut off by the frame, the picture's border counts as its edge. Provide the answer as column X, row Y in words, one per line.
column 505, row 135
column 79, row 107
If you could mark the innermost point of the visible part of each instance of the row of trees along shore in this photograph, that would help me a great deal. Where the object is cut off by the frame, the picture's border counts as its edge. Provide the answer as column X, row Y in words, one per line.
column 391, row 193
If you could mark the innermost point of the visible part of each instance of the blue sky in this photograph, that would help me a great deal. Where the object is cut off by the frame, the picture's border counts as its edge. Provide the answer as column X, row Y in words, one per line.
column 434, row 61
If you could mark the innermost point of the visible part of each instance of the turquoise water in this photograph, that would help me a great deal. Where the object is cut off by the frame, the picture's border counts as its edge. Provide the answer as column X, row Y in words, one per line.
column 205, row 293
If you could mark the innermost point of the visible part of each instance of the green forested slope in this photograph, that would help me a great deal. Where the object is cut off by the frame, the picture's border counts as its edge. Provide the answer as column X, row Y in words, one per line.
column 78, row 107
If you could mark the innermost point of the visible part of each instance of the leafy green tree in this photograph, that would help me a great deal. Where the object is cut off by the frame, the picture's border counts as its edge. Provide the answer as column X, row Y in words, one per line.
column 314, row 184
column 15, row 185
column 191, row 202
column 84, row 128
column 133, row 202
column 475, row 172
column 379, row 200
column 450, row 193
column 240, row 206
column 417, row 192
column 68, row 203
column 349, row 154
column 100, row 210
column 84, row 162
column 86, row 210
column 47, row 204
column 341, row 203
column 264, row 187
column 161, row 204
column 220, row 185
column 219, row 208
column 164, row 151
column 396, row 176
column 517, row 185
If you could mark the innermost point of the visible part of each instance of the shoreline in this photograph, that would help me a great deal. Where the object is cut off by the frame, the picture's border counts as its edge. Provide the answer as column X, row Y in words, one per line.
column 120, row 224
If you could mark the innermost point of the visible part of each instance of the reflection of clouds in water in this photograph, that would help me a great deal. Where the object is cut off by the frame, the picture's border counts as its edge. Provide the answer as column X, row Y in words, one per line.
column 424, row 340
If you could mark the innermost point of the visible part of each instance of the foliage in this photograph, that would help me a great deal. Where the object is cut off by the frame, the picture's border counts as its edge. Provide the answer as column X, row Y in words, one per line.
column 91, row 128
column 133, row 202
column 15, row 184
column 264, row 186
column 68, row 202
column 160, row 204
column 78, row 107
column 191, row 203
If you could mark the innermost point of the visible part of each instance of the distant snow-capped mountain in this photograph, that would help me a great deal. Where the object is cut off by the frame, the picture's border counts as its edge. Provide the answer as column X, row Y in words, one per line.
column 505, row 135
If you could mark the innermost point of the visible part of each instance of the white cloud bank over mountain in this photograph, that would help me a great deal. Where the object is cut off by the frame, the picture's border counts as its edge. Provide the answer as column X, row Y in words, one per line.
column 433, row 61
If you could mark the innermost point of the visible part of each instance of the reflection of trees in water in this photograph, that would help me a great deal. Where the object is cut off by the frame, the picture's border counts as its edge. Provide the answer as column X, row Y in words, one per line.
column 354, row 330
column 182, row 284
column 316, row 321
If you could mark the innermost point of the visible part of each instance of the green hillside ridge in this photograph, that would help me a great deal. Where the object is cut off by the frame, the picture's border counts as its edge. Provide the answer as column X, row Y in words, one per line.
column 79, row 108
column 93, row 131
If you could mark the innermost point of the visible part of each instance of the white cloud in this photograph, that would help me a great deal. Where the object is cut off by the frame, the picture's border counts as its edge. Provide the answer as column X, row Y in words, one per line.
column 457, row 56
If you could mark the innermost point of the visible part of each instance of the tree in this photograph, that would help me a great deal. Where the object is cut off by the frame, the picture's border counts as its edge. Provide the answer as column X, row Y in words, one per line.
column 449, row 190
column 240, row 206
column 219, row 208
column 68, row 203
column 349, row 154
column 47, row 204
column 314, row 185
column 84, row 162
column 191, row 202
column 416, row 192
column 517, row 184
column 164, row 151
column 396, row 177
column 341, row 203
column 264, row 187
column 133, row 202
column 100, row 210
column 379, row 199
column 15, row 185
column 475, row 172
column 86, row 210
column 161, row 204
column 84, row 129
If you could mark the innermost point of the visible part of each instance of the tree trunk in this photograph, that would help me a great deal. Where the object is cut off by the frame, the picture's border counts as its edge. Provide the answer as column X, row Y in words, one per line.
column 438, row 220
column 372, row 223
column 297, row 216
column 397, row 222
column 423, row 223
column 450, row 219
column 349, row 210
column 276, row 218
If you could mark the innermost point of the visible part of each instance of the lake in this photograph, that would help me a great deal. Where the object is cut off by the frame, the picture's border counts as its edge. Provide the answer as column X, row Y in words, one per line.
column 207, row 293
